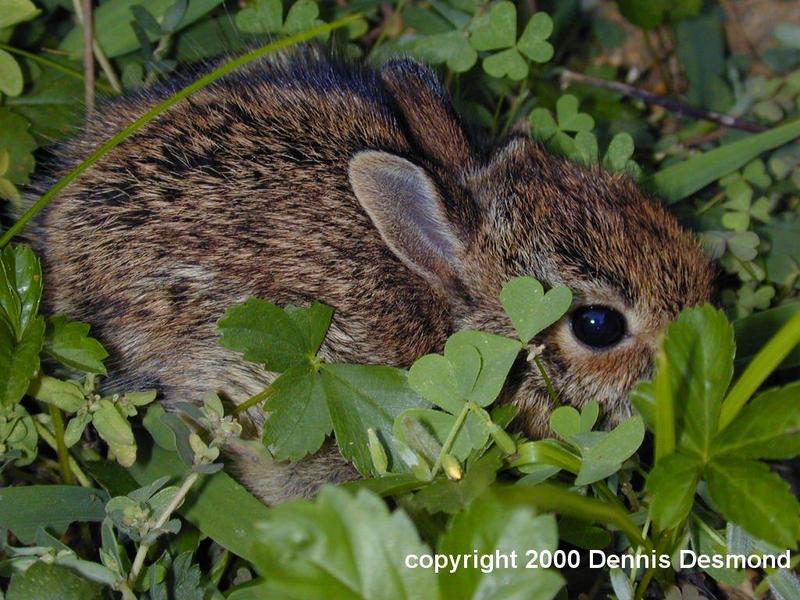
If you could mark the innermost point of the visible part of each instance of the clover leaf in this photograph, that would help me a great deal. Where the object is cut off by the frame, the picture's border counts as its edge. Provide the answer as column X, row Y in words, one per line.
column 496, row 29
column 531, row 309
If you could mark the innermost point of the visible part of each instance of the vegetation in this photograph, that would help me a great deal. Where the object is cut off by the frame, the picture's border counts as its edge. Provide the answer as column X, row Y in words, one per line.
column 106, row 495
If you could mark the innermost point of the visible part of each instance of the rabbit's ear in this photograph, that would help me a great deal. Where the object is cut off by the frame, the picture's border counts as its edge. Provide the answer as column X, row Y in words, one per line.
column 405, row 206
column 428, row 114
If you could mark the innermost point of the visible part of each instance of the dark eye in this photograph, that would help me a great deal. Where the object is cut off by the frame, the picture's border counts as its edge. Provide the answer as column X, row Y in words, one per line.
column 598, row 326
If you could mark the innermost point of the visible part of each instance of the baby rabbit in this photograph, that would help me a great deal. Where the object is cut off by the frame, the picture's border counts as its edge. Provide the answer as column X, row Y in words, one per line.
column 304, row 179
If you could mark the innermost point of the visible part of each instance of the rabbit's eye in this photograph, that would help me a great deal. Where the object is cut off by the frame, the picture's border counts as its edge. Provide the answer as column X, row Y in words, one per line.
column 598, row 326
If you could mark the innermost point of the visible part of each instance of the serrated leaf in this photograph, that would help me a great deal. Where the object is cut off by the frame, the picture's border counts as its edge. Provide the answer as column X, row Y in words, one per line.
column 749, row 494
column 767, row 427
column 70, row 344
column 491, row 525
column 672, row 483
column 363, row 397
column 699, row 348
column 531, row 309
column 299, row 419
column 17, row 141
column 278, row 338
column 19, row 360
column 340, row 546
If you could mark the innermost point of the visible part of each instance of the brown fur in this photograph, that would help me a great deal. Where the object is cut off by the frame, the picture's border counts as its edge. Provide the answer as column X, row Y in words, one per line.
column 243, row 190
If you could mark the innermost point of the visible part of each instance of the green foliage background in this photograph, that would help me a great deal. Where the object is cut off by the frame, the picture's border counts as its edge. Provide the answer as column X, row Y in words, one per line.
column 542, row 67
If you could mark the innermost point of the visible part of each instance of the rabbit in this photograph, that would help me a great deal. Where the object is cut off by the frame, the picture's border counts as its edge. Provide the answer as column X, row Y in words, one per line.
column 311, row 178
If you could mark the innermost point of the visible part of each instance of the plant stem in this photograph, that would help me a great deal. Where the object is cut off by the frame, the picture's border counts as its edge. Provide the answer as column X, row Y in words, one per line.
column 451, row 437
column 762, row 365
column 253, row 401
column 73, row 464
column 88, row 57
column 98, row 52
column 159, row 108
column 670, row 104
column 61, row 447
column 665, row 409
column 141, row 552
column 551, row 390
column 46, row 62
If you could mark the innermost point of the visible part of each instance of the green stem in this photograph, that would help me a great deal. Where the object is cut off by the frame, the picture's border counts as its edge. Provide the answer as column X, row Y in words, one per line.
column 162, row 106
column 451, row 437
column 551, row 390
column 61, row 447
column 46, row 62
column 762, row 365
column 253, row 401
column 665, row 409
column 73, row 464
column 141, row 552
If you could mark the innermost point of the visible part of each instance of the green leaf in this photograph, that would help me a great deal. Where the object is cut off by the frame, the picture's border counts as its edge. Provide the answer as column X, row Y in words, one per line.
column 44, row 581
column 16, row 11
column 496, row 28
column 53, row 104
column 569, row 117
column 113, row 24
column 755, row 330
column 506, row 63
column 10, row 75
column 497, row 355
column 264, row 16
column 619, row 152
column 19, row 360
column 530, row 309
column 361, row 397
column 433, row 377
column 451, row 47
column 451, row 497
column 672, row 483
column 543, row 124
column 699, row 349
column 301, row 16
column 300, row 418
column 533, row 41
column 493, row 525
column 604, row 458
column 647, row 14
column 565, row 421
column 749, row 494
column 15, row 139
column 678, row 181
column 66, row 395
column 20, row 287
column 767, row 427
column 278, row 338
column 340, row 546
column 24, row 509
column 116, row 431
column 69, row 343
column 18, row 433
